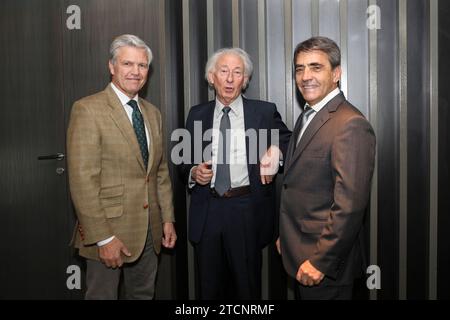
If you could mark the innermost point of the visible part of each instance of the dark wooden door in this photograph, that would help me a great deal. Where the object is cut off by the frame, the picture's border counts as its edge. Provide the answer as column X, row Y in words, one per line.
column 35, row 214
column 48, row 61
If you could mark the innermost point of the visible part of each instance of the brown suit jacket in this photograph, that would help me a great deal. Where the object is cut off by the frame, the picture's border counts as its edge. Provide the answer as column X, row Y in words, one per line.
column 112, row 192
column 326, row 187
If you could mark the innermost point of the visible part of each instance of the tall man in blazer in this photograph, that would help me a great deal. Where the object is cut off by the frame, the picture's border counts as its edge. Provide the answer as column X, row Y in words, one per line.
column 119, row 179
column 230, row 224
column 327, row 179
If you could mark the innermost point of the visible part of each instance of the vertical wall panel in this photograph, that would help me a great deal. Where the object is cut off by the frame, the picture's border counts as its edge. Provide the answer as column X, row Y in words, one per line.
column 249, row 36
column 302, row 30
column 403, row 145
column 388, row 141
column 171, row 41
column 434, row 148
column 358, row 56
column 418, row 147
column 329, row 19
column 443, row 256
column 223, row 29
column 276, row 90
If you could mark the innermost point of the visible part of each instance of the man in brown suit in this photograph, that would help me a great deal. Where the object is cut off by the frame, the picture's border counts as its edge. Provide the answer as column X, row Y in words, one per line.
column 327, row 180
column 119, row 179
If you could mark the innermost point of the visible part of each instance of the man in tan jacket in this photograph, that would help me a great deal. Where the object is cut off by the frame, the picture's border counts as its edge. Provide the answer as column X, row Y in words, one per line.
column 119, row 179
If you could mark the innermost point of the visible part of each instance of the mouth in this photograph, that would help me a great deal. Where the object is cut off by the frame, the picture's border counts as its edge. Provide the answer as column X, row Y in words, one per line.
column 309, row 87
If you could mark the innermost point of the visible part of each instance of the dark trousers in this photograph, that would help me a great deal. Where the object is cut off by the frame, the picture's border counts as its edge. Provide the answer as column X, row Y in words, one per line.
column 326, row 290
column 228, row 255
column 138, row 277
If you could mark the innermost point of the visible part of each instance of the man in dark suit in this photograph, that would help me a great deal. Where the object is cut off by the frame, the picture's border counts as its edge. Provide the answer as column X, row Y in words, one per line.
column 327, row 179
column 232, row 208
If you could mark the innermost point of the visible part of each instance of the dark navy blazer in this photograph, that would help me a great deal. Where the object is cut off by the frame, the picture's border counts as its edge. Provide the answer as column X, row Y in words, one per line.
column 257, row 115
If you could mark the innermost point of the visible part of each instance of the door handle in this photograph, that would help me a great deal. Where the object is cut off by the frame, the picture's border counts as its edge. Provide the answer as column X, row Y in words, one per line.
column 58, row 156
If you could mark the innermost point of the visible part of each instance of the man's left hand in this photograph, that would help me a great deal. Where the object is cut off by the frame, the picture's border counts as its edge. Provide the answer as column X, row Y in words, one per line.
column 169, row 235
column 270, row 162
column 308, row 275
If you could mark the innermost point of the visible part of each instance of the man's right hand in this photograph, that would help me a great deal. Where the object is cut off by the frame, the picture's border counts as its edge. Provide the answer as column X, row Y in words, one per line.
column 202, row 174
column 111, row 253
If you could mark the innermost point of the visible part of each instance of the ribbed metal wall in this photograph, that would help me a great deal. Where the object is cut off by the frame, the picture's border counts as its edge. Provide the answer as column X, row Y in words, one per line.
column 389, row 73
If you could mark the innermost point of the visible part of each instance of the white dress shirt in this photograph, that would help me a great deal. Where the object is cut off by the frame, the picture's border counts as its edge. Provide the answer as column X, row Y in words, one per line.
column 317, row 107
column 238, row 150
column 128, row 109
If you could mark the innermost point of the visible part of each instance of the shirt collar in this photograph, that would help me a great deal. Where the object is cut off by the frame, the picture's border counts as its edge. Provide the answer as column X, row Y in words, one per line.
column 122, row 96
column 318, row 106
column 236, row 107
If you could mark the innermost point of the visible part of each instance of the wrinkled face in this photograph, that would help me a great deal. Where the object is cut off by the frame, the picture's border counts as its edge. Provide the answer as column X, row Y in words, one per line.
column 228, row 78
column 314, row 76
column 129, row 72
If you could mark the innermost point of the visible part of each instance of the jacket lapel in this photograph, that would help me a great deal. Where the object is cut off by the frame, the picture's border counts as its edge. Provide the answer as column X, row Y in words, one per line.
column 317, row 122
column 122, row 121
column 207, row 119
column 252, row 120
column 151, row 126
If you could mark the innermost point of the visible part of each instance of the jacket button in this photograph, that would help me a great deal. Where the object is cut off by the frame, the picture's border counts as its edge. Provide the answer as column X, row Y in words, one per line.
column 285, row 186
column 146, row 206
column 148, row 179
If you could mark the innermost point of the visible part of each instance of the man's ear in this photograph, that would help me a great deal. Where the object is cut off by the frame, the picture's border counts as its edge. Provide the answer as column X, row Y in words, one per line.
column 245, row 84
column 337, row 74
column 210, row 79
column 111, row 67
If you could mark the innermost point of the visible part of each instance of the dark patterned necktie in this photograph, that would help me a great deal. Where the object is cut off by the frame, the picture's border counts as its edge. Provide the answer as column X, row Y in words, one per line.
column 304, row 119
column 139, row 129
column 223, row 182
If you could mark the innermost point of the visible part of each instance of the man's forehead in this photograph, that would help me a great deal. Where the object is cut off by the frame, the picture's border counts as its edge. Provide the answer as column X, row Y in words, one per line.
column 311, row 57
column 131, row 50
column 228, row 59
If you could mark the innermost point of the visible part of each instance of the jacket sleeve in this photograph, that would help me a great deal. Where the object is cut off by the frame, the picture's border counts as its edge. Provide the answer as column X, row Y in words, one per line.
column 84, row 164
column 164, row 185
column 284, row 134
column 186, row 165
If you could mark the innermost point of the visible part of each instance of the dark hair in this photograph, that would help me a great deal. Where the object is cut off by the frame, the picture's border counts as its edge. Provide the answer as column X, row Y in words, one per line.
column 323, row 44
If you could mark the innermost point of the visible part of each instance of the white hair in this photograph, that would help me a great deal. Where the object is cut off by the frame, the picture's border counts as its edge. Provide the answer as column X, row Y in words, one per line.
column 128, row 40
column 212, row 61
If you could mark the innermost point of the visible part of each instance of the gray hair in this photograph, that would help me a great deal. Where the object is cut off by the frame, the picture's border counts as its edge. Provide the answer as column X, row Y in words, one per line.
column 324, row 44
column 128, row 40
column 212, row 61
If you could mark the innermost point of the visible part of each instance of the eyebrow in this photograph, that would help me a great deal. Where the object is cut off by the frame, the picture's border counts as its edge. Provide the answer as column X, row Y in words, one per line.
column 312, row 64
column 225, row 66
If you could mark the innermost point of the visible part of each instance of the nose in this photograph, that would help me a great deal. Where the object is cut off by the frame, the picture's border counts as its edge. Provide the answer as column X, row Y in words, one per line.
column 306, row 75
column 135, row 69
column 230, row 76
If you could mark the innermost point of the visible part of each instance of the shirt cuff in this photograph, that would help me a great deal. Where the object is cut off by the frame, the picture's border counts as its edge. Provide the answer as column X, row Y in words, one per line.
column 106, row 241
column 191, row 183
